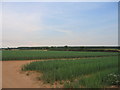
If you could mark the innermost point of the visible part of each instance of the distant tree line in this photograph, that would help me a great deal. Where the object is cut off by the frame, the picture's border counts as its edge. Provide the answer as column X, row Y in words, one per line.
column 68, row 48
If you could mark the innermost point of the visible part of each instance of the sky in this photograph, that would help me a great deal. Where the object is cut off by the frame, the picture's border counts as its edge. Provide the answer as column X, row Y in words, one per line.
column 59, row 24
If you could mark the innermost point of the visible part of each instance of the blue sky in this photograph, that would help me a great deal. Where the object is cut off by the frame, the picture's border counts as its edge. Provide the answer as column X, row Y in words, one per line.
column 60, row 23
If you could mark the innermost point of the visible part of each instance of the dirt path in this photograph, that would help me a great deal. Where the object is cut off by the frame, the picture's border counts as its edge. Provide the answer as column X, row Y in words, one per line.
column 12, row 77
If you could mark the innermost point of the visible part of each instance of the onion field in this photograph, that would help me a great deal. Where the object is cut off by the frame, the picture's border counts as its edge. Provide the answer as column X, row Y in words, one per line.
column 37, row 54
column 87, row 73
column 70, row 69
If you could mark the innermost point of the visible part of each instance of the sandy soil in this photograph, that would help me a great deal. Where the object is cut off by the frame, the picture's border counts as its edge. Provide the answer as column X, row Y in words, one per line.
column 12, row 77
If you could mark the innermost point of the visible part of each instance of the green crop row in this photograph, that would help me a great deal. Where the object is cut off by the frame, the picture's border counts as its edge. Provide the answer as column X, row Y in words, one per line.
column 58, row 70
column 37, row 54
column 94, row 80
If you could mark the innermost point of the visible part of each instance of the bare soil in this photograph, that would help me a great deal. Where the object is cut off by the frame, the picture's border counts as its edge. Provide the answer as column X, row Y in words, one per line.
column 13, row 77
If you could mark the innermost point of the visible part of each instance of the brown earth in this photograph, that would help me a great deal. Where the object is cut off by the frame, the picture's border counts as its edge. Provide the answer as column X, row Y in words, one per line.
column 13, row 77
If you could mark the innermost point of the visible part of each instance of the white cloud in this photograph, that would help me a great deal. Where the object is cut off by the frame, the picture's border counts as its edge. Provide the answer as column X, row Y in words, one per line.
column 21, row 22
column 24, row 27
column 18, row 27
column 68, row 32
column 58, row 29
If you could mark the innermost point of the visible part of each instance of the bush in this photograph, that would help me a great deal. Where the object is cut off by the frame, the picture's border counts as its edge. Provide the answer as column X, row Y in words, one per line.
column 112, row 79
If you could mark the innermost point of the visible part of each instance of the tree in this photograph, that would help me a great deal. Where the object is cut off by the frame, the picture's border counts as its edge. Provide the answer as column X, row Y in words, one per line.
column 66, row 46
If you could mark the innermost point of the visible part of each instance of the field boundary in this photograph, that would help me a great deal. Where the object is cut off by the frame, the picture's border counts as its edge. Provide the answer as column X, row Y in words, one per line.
column 86, row 57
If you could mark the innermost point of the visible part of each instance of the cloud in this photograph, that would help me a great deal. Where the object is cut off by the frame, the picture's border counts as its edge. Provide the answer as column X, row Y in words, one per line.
column 64, row 31
column 18, row 27
column 20, row 22
column 68, row 32
column 30, row 24
column 59, row 29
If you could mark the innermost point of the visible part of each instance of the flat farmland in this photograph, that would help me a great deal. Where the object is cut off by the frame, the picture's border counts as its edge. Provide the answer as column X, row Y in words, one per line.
column 37, row 54
column 62, row 69
column 87, row 73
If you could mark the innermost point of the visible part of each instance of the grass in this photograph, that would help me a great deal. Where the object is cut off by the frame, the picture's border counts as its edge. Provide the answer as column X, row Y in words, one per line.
column 80, row 73
column 94, row 80
column 37, row 54
column 0, row 55
column 88, row 72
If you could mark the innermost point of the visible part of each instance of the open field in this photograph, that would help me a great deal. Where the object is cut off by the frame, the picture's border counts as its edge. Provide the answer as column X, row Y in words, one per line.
column 64, row 44
column 62, row 69
column 37, row 54
column 88, row 73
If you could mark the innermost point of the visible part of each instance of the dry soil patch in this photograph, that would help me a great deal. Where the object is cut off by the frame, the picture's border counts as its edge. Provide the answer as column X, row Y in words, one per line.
column 12, row 77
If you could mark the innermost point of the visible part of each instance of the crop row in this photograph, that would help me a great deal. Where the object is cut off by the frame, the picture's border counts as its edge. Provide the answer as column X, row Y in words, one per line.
column 58, row 70
column 37, row 54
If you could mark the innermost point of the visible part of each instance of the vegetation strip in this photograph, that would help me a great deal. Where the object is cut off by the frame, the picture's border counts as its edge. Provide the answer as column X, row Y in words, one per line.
column 57, row 70
column 91, row 57
column 38, row 55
